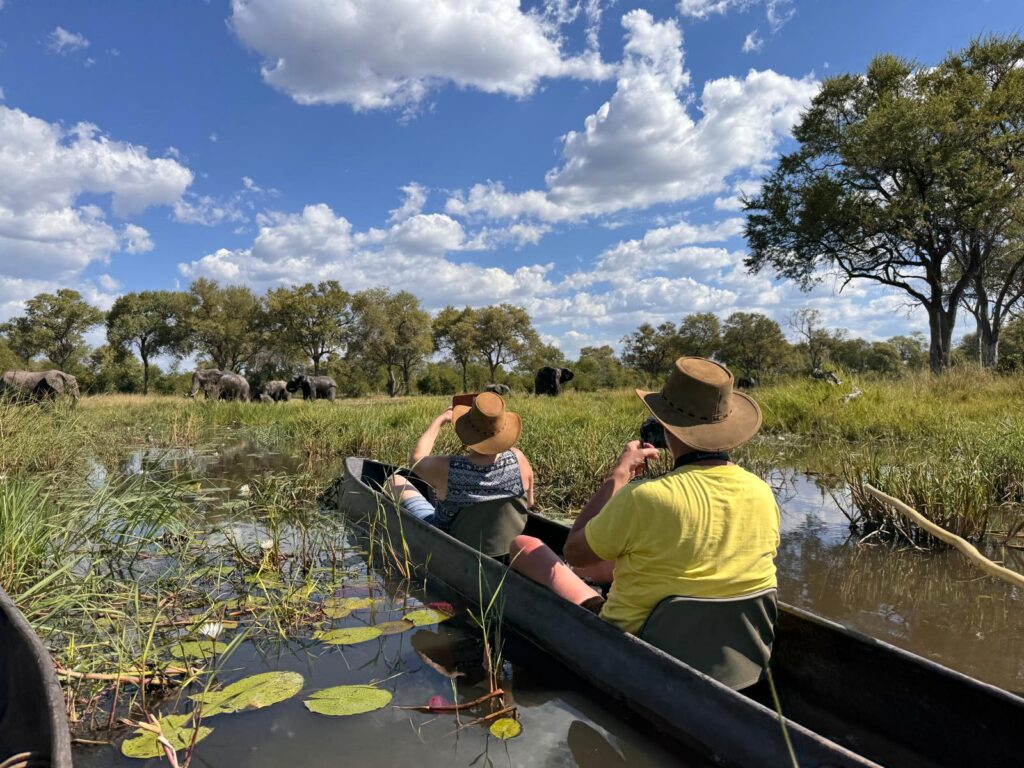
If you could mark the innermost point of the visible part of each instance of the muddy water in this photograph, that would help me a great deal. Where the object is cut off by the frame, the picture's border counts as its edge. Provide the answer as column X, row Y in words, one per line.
column 934, row 604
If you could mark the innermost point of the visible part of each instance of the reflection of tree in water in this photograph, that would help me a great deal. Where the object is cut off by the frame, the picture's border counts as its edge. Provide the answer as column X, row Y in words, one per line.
column 932, row 603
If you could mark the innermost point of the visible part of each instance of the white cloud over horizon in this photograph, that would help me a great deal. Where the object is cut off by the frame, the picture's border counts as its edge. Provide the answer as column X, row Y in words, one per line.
column 642, row 147
column 63, row 42
column 48, row 235
column 373, row 55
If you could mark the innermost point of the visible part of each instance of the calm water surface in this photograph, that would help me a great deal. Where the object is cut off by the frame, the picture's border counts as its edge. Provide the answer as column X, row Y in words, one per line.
column 934, row 604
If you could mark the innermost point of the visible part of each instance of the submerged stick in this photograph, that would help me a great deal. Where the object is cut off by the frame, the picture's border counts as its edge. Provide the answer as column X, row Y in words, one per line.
column 139, row 678
column 968, row 549
column 458, row 707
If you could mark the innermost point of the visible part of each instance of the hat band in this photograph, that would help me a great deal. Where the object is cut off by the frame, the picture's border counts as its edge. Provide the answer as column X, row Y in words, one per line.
column 713, row 418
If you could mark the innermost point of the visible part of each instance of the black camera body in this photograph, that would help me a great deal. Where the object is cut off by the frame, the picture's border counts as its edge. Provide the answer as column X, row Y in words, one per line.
column 652, row 432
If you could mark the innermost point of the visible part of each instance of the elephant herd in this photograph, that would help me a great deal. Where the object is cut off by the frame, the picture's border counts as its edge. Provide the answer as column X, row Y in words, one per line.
column 216, row 384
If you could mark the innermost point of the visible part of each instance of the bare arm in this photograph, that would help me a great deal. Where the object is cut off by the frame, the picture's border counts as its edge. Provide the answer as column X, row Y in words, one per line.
column 577, row 551
column 526, row 471
column 425, row 445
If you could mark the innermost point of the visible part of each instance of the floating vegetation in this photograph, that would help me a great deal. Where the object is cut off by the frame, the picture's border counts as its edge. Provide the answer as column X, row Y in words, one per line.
column 424, row 617
column 348, row 635
column 506, row 728
column 177, row 730
column 198, row 649
column 340, row 607
column 394, row 627
column 348, row 700
column 255, row 692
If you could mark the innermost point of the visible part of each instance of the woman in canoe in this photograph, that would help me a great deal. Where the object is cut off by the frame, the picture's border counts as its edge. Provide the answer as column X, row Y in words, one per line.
column 491, row 468
column 707, row 529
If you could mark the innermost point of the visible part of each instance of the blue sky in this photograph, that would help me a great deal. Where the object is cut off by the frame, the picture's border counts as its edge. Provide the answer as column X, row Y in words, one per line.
column 580, row 158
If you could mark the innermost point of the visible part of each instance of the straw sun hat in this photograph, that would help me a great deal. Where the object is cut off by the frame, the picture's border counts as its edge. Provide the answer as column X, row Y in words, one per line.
column 486, row 427
column 698, row 406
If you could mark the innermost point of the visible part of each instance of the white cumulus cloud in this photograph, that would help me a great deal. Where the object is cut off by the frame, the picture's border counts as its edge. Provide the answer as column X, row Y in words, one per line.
column 47, row 233
column 642, row 147
column 63, row 42
column 372, row 55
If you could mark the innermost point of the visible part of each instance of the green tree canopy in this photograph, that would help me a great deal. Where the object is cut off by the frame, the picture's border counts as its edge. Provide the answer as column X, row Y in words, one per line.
column 598, row 368
column 54, row 327
column 651, row 350
column 699, row 334
column 907, row 176
column 504, row 334
column 392, row 331
column 455, row 334
column 225, row 323
column 315, row 319
column 753, row 343
column 151, row 322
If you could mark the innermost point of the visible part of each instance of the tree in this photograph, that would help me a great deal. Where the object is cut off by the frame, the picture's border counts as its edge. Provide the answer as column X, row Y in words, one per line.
column 753, row 343
column 651, row 350
column 907, row 176
column 152, row 322
column 53, row 326
column 455, row 333
column 912, row 349
column 226, row 323
column 996, row 292
column 503, row 334
column 598, row 368
column 391, row 330
column 110, row 368
column 315, row 319
column 814, row 339
column 699, row 334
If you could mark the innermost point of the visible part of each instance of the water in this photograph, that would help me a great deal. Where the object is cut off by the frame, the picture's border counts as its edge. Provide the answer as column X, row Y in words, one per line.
column 934, row 604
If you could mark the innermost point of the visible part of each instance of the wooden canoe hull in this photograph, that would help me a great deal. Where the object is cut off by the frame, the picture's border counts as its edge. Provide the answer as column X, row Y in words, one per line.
column 692, row 708
column 895, row 706
column 31, row 702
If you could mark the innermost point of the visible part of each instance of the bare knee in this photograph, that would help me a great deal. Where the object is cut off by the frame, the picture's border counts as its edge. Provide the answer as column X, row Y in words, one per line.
column 397, row 485
column 524, row 545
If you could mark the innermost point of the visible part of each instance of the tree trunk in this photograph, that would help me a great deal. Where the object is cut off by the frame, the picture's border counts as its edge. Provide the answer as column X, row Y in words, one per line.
column 940, row 326
column 988, row 343
column 392, row 382
column 145, row 372
column 465, row 376
column 316, row 365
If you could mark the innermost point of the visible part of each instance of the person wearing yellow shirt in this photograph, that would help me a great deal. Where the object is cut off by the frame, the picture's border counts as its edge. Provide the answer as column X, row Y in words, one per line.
column 706, row 529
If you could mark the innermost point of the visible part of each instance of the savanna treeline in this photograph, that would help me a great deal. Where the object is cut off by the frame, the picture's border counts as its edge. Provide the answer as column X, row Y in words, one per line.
column 382, row 341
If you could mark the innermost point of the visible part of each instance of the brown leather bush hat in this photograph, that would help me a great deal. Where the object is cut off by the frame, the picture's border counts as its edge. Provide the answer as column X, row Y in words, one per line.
column 698, row 405
column 486, row 427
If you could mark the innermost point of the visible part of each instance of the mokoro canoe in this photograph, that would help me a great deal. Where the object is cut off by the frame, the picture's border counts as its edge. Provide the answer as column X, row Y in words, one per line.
column 32, row 722
column 849, row 700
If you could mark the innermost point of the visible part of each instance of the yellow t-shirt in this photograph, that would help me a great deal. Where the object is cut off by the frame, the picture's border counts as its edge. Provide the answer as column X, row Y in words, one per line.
column 698, row 531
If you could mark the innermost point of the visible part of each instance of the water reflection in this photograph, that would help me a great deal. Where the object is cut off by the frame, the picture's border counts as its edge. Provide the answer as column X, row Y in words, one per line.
column 932, row 603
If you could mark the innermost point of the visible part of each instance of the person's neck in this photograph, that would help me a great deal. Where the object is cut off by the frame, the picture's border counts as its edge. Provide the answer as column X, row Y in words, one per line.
column 702, row 458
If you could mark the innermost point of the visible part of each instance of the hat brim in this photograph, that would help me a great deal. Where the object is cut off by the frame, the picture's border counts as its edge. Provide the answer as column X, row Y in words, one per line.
column 742, row 423
column 501, row 441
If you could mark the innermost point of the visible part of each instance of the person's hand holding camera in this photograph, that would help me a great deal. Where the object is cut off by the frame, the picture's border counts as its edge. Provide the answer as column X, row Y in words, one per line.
column 633, row 460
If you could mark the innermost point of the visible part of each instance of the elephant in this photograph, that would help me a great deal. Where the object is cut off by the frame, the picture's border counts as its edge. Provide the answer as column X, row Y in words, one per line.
column 277, row 390
column 39, row 385
column 314, row 387
column 233, row 386
column 262, row 397
column 747, row 382
column 207, row 379
column 549, row 381
column 499, row 389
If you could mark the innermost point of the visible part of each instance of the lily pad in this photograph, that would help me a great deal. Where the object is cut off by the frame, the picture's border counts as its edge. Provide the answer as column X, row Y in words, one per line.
column 506, row 728
column 198, row 649
column 348, row 635
column 348, row 700
column 340, row 607
column 394, row 627
column 255, row 692
column 426, row 616
column 177, row 729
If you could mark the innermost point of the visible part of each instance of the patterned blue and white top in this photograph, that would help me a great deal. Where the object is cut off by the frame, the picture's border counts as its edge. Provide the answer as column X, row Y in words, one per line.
column 470, row 483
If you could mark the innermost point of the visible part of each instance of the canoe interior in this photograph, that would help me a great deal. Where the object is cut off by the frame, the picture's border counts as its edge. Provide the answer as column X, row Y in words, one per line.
column 882, row 702
column 31, row 703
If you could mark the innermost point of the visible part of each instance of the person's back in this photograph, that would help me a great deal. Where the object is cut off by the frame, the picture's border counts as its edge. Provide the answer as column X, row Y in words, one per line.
column 473, row 481
column 701, row 530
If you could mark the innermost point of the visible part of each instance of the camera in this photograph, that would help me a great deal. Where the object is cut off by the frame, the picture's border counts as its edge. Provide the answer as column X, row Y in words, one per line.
column 652, row 432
